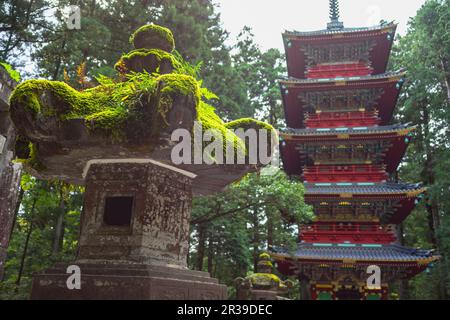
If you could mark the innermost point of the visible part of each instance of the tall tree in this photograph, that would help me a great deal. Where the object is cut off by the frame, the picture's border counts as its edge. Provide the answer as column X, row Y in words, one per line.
column 21, row 24
column 424, row 101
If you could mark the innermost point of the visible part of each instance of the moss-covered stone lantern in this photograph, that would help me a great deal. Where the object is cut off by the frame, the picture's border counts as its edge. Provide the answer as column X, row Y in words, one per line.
column 115, row 139
column 262, row 285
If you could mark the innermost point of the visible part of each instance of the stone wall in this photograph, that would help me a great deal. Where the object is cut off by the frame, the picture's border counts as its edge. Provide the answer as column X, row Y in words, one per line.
column 9, row 173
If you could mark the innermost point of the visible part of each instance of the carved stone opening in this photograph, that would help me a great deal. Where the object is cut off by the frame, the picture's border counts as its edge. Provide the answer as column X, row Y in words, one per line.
column 118, row 211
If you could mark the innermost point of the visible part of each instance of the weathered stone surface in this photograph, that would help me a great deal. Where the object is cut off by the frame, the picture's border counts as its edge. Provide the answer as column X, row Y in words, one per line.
column 142, row 259
column 128, row 282
column 9, row 173
column 159, row 231
column 64, row 149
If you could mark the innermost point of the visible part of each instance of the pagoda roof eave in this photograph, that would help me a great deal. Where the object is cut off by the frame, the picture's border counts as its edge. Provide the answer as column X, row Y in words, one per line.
column 295, row 107
column 342, row 32
column 387, row 76
column 348, row 190
column 355, row 253
column 294, row 158
column 338, row 133
column 381, row 36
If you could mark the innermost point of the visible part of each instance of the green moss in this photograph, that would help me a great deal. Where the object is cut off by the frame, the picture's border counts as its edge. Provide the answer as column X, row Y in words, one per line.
column 32, row 161
column 265, row 263
column 152, row 57
column 247, row 123
column 96, row 105
column 180, row 84
column 210, row 120
column 264, row 256
column 134, row 108
column 153, row 37
column 109, row 121
column 29, row 94
column 160, row 54
column 264, row 279
column 15, row 75
column 107, row 109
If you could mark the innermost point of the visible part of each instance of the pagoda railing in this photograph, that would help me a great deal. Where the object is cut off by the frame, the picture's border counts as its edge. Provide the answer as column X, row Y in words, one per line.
column 339, row 69
column 345, row 173
column 359, row 233
column 345, row 119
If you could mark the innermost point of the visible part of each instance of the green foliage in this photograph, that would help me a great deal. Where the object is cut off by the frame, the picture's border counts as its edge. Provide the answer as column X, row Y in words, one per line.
column 32, row 243
column 260, row 72
column 22, row 23
column 425, row 101
column 243, row 221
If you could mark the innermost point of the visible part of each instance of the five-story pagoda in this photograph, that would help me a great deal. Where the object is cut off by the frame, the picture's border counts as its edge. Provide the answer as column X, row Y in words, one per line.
column 339, row 101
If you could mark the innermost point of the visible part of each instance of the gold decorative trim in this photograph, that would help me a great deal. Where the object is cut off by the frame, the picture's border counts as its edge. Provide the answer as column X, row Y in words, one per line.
column 324, row 286
column 404, row 132
column 348, row 261
column 415, row 193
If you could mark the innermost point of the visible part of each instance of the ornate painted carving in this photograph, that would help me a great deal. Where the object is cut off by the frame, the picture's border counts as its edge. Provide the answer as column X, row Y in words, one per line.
column 342, row 100
column 354, row 152
column 338, row 52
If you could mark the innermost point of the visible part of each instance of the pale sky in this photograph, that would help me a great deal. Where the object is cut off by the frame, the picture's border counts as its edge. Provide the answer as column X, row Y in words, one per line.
column 269, row 18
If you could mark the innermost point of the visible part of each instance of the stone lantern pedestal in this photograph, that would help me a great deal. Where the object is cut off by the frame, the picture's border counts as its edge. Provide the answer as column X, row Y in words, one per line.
column 134, row 237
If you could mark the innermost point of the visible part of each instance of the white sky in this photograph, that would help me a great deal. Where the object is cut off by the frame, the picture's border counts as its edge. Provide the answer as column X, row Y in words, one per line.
column 269, row 18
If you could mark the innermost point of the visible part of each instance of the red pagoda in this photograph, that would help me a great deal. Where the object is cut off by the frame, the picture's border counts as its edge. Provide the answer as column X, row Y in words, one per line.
column 339, row 101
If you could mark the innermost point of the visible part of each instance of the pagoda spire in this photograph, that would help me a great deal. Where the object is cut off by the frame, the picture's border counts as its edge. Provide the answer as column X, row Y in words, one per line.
column 335, row 24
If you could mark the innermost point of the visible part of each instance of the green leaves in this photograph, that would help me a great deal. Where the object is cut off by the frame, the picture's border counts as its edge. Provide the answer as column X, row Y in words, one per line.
column 424, row 101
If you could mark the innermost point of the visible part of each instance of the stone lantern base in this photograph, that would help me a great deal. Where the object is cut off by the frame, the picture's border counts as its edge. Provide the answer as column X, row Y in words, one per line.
column 127, row 282
column 134, row 237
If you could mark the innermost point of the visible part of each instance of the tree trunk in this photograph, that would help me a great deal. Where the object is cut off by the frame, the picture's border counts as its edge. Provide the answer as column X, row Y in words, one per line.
column 210, row 255
column 59, row 62
column 16, row 211
column 431, row 206
column 201, row 247
column 25, row 247
column 58, row 238
column 270, row 231
column 446, row 71
column 428, row 175
column 256, row 239
column 404, row 283
column 305, row 293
